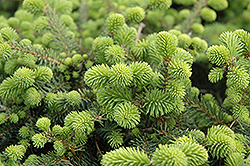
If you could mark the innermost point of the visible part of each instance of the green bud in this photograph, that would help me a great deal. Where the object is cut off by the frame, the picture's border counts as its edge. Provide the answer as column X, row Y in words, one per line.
column 184, row 13
column 15, row 152
column 13, row 118
column 85, row 56
column 73, row 98
column 169, row 20
column 2, row 118
column 57, row 130
column 43, row 123
column 115, row 21
column 33, row 6
column 175, row 32
column 208, row 14
column 25, row 25
column 39, row 140
column 63, row 67
column 59, row 147
column 68, row 61
column 77, row 58
column 135, row 14
column 63, row 54
column 218, row 5
column 24, row 132
column 88, row 41
column 196, row 43
column 198, row 28
column 184, row 41
column 185, row 2
column 13, row 22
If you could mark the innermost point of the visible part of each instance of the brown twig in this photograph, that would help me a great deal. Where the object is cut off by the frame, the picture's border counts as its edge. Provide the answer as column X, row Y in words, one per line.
column 141, row 26
column 2, row 107
column 166, row 70
column 7, row 131
column 110, row 7
column 191, row 103
column 129, row 57
column 98, row 148
column 164, row 132
column 58, row 160
column 59, row 86
column 34, row 53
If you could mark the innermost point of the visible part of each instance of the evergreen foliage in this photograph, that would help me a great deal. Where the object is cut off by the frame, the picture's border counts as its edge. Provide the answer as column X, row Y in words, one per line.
column 93, row 82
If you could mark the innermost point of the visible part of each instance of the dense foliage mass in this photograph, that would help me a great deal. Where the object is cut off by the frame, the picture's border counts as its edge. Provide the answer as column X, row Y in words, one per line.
column 116, row 82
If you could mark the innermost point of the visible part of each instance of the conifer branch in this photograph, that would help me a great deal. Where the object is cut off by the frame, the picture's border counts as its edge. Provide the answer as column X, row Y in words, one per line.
column 166, row 133
column 67, row 44
column 179, row 121
column 58, row 87
column 9, row 129
column 191, row 103
column 187, row 24
column 30, row 50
